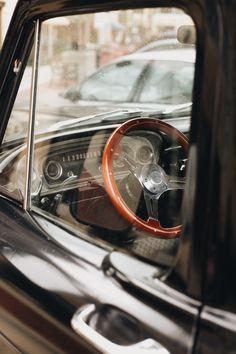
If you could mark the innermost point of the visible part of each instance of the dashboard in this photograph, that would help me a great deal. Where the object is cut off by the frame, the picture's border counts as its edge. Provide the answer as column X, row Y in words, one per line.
column 77, row 162
column 67, row 174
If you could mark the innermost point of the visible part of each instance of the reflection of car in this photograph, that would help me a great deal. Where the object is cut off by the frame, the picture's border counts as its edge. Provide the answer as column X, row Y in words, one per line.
column 163, row 44
column 93, row 257
column 155, row 80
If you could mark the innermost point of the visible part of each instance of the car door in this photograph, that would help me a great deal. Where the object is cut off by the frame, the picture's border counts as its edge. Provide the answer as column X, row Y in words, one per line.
column 65, row 290
column 217, row 320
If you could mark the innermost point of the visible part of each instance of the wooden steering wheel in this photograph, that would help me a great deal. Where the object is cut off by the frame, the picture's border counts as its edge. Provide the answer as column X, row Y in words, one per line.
column 153, row 180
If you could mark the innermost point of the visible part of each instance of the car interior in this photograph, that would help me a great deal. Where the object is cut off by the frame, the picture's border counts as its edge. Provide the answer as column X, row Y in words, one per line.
column 115, row 176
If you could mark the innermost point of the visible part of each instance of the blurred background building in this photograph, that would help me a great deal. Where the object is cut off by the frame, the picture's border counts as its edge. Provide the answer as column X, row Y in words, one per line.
column 6, row 10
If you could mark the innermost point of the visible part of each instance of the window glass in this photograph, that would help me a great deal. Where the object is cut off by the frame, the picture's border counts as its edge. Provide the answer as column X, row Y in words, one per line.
column 168, row 82
column 110, row 83
column 18, row 122
column 120, row 187
column 13, row 149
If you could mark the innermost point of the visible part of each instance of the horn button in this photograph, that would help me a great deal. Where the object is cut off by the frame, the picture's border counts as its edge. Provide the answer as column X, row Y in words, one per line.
column 153, row 178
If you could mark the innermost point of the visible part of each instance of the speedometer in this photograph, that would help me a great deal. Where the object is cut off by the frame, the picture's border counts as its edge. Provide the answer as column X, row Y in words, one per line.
column 144, row 154
column 53, row 170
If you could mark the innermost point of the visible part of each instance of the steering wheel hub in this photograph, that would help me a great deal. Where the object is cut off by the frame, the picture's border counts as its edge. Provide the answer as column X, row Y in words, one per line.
column 153, row 179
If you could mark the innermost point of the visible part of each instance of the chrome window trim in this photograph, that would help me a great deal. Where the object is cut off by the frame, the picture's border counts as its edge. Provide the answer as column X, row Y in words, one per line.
column 31, row 123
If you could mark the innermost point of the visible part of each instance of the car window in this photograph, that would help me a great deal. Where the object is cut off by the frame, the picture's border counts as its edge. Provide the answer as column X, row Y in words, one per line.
column 18, row 123
column 14, row 142
column 110, row 83
column 168, row 82
column 109, row 150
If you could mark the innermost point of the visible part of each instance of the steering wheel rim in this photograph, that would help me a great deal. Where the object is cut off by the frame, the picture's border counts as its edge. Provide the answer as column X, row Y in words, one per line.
column 151, row 226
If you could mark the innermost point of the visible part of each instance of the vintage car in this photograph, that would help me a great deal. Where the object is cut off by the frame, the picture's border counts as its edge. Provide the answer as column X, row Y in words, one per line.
column 117, row 229
column 161, row 72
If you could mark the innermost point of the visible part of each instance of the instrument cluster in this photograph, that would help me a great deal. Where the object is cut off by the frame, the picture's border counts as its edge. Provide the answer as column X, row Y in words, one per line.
column 79, row 161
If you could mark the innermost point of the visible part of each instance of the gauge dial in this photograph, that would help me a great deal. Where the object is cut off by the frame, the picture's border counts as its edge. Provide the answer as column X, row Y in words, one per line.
column 53, row 170
column 144, row 154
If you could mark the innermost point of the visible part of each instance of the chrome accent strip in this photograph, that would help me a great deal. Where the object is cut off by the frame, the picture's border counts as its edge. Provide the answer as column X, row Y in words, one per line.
column 31, row 125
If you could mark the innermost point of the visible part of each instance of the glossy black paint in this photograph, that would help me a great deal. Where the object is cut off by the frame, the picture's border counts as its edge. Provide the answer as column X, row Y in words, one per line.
column 36, row 310
column 43, row 284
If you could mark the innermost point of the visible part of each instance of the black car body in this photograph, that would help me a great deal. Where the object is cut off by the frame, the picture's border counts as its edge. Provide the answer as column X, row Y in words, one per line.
column 80, row 291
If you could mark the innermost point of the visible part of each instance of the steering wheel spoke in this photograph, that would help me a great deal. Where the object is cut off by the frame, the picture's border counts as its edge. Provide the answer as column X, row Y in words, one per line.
column 128, row 161
column 151, row 202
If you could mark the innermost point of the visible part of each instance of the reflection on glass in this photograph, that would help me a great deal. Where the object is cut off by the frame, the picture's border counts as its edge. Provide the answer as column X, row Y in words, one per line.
column 96, row 72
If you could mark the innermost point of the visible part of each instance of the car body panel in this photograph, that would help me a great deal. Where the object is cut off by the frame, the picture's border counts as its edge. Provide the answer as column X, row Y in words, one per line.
column 35, row 261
